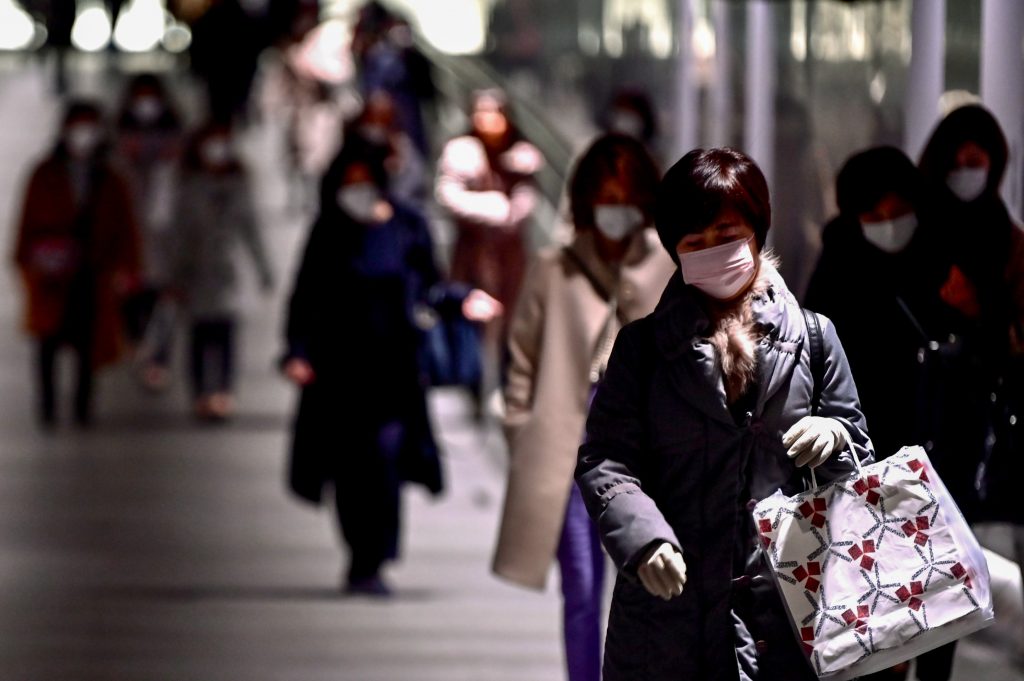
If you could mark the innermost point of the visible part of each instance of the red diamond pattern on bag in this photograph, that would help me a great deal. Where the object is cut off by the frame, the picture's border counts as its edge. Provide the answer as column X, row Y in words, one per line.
column 815, row 510
column 910, row 595
column 862, row 551
column 859, row 618
column 911, row 529
column 806, row 638
column 959, row 571
column 916, row 466
column 810, row 573
column 764, row 526
column 867, row 486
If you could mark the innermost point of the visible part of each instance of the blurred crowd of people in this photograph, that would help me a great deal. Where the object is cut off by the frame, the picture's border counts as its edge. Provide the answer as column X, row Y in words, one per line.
column 131, row 229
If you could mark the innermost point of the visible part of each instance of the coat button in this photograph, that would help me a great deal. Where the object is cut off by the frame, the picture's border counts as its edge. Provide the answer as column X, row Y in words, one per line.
column 761, row 645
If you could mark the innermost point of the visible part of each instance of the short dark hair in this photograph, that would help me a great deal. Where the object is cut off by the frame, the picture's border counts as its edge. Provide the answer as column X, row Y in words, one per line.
column 702, row 183
column 612, row 156
column 867, row 177
column 77, row 109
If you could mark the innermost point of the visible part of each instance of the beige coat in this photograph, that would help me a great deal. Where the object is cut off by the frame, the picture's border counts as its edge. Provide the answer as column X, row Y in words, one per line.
column 554, row 335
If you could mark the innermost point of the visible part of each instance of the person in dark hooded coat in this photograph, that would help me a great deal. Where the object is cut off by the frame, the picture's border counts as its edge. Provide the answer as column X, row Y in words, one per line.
column 883, row 269
column 705, row 409
column 352, row 346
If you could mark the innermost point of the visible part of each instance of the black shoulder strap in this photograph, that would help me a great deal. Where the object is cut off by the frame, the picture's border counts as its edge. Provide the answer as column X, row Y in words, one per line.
column 816, row 347
column 591, row 277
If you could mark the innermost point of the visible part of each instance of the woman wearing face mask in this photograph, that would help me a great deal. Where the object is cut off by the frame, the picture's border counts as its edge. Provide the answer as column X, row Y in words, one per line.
column 574, row 301
column 964, row 163
column 882, row 269
column 77, row 250
column 485, row 180
column 149, row 144
column 362, row 424
column 214, row 217
column 705, row 408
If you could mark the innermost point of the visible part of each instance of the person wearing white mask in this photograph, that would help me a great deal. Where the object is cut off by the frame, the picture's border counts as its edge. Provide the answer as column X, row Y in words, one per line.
column 351, row 345
column 148, row 144
column 215, row 218
column 964, row 164
column 704, row 409
column 78, row 254
column 574, row 300
column 880, row 279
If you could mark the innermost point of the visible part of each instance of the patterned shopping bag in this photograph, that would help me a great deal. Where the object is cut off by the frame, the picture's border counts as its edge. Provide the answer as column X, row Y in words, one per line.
column 875, row 568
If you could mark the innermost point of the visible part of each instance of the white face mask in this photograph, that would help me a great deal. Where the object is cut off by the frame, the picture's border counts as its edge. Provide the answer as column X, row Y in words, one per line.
column 721, row 271
column 626, row 122
column 617, row 221
column 83, row 139
column 967, row 183
column 147, row 109
column 891, row 236
column 375, row 134
column 216, row 152
column 359, row 200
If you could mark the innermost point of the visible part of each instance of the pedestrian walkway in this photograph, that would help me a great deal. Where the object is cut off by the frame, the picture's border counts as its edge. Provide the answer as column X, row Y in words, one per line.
column 152, row 548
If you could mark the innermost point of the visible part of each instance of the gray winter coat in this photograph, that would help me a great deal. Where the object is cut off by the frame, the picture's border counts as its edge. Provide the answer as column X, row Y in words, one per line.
column 665, row 460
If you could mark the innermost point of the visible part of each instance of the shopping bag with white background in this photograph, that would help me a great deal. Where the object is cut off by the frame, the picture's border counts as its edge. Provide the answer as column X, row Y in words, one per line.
column 875, row 568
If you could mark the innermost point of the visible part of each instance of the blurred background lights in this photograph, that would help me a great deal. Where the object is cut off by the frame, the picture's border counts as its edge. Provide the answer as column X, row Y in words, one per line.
column 177, row 37
column 17, row 30
column 92, row 30
column 140, row 26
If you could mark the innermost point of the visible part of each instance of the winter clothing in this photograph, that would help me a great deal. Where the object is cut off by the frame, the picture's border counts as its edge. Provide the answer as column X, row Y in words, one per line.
column 214, row 214
column 77, row 241
column 383, row 436
column 667, row 460
column 490, row 205
column 553, row 337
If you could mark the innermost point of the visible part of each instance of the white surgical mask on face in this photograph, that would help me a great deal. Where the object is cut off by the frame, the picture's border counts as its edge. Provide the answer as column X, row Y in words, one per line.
column 617, row 221
column 376, row 134
column 82, row 139
column 359, row 200
column 626, row 122
column 216, row 152
column 147, row 109
column 720, row 271
column 891, row 236
column 967, row 183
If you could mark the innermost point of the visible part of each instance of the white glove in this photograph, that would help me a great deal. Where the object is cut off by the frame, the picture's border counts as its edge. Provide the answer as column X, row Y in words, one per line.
column 662, row 571
column 813, row 439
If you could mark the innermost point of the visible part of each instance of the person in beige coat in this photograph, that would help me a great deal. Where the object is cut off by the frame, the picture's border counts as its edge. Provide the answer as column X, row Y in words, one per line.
column 574, row 300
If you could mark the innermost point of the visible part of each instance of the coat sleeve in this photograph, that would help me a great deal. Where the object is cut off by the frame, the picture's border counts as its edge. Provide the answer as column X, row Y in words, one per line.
column 458, row 164
column 34, row 193
column 252, row 238
column 305, row 295
column 613, row 461
column 839, row 400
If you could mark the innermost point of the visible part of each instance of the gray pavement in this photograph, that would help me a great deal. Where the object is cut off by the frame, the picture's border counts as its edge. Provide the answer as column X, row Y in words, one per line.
column 153, row 548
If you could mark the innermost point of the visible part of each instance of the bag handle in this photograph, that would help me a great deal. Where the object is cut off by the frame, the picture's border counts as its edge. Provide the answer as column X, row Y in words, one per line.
column 816, row 348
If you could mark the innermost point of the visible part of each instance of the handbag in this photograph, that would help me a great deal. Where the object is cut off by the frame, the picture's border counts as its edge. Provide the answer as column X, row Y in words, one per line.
column 874, row 568
column 449, row 347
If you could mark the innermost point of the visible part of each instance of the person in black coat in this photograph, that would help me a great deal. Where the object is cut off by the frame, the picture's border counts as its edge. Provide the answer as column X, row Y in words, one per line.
column 880, row 278
column 367, row 269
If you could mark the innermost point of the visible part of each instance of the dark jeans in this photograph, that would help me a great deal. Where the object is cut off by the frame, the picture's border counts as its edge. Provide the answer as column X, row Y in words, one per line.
column 46, row 364
column 582, row 565
column 367, row 499
column 213, row 351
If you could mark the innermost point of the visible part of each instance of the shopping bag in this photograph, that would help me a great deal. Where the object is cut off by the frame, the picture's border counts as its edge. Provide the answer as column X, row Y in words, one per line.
column 875, row 568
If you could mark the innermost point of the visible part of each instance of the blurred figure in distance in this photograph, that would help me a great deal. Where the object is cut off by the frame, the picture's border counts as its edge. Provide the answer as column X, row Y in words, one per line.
column 77, row 250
